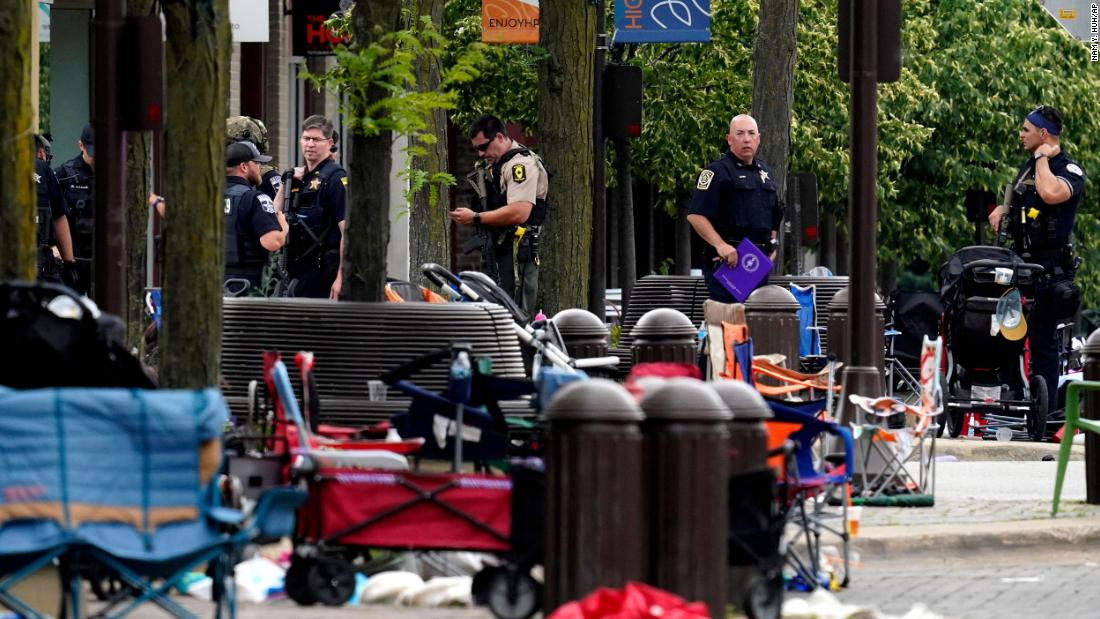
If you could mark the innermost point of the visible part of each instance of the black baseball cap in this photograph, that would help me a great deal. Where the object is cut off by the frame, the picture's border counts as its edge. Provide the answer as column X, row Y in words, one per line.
column 87, row 138
column 240, row 152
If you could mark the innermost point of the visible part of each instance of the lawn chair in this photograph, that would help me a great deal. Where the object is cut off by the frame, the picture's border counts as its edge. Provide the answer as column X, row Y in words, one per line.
column 1073, row 423
column 813, row 496
column 124, row 480
column 885, row 453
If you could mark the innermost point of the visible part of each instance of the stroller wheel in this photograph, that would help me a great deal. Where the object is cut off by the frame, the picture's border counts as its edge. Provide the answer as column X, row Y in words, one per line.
column 513, row 594
column 1037, row 415
column 332, row 580
column 297, row 581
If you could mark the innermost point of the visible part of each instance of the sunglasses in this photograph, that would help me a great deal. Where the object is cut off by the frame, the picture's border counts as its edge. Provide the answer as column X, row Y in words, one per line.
column 484, row 146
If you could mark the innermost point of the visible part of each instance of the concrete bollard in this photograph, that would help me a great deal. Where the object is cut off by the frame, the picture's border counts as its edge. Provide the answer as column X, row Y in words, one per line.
column 664, row 334
column 585, row 336
column 596, row 513
column 1090, row 409
column 772, row 315
column 687, row 447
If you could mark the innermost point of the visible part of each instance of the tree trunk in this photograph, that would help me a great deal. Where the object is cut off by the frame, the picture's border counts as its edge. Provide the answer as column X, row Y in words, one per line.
column 773, row 60
column 17, row 191
column 139, row 175
column 428, row 226
column 628, row 263
column 197, row 73
column 367, row 224
column 568, row 33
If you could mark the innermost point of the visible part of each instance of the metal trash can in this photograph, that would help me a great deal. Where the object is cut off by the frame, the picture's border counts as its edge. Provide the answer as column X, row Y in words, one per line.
column 664, row 334
column 596, row 512
column 840, row 342
column 1090, row 409
column 584, row 334
column 687, row 448
column 755, row 564
column 771, row 313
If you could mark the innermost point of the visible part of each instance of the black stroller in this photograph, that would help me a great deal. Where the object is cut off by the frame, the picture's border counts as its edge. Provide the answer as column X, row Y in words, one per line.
column 986, row 371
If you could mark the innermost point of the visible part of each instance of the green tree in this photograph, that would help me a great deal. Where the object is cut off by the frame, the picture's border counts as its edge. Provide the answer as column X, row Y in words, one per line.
column 197, row 75
column 568, row 32
column 17, row 235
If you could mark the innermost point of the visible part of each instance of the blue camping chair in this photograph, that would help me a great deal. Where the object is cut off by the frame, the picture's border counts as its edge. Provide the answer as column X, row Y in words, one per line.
column 815, row 498
column 125, row 480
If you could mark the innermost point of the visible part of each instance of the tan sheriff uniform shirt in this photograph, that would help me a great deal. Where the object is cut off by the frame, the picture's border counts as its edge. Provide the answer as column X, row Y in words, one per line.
column 522, row 178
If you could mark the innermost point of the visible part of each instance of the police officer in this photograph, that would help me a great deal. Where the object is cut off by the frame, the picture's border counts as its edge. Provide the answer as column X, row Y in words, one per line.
column 248, row 129
column 516, row 208
column 317, row 203
column 77, row 179
column 253, row 226
column 55, row 245
column 735, row 198
column 1047, row 191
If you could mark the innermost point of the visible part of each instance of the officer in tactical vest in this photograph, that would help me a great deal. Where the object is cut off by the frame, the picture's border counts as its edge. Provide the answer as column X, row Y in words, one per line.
column 248, row 129
column 1047, row 190
column 77, row 179
column 315, row 208
column 515, row 210
column 55, row 245
column 735, row 198
column 253, row 226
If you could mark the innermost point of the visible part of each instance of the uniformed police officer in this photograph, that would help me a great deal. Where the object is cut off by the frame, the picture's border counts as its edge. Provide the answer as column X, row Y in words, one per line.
column 1048, row 188
column 253, row 226
column 516, row 208
column 55, row 245
column 735, row 198
column 248, row 129
column 77, row 179
column 317, row 201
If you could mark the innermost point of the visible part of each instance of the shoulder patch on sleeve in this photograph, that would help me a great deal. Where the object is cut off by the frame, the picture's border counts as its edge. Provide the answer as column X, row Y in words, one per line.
column 276, row 182
column 1073, row 168
column 519, row 173
column 705, row 178
column 265, row 203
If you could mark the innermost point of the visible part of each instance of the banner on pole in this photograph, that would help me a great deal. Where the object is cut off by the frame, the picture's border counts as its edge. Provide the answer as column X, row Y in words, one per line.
column 510, row 21
column 662, row 21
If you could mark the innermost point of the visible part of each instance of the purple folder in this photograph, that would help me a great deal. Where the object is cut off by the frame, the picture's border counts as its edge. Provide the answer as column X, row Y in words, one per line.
column 752, row 267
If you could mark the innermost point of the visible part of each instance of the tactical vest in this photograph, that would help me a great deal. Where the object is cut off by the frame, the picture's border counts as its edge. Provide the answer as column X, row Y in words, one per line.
column 310, row 224
column 79, row 190
column 497, row 198
column 747, row 216
column 243, row 253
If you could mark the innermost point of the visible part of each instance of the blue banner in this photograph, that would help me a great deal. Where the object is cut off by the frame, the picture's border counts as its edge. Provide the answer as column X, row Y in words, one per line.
column 662, row 21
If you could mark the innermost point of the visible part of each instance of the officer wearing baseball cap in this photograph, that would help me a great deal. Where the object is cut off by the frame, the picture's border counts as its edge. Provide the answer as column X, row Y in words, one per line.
column 77, row 179
column 254, row 227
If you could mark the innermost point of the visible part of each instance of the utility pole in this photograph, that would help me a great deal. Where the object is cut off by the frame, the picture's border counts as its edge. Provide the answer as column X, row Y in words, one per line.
column 109, row 252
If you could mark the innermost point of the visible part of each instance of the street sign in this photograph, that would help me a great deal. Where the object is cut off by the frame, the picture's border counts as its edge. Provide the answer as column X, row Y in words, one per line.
column 1078, row 17
column 662, row 21
column 248, row 21
column 510, row 21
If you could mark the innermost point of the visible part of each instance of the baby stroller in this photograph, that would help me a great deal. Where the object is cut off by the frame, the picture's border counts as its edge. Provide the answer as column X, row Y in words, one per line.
column 988, row 295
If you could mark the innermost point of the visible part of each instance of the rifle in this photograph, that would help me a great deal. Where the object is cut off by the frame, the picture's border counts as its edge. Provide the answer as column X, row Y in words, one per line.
column 1006, row 219
column 482, row 239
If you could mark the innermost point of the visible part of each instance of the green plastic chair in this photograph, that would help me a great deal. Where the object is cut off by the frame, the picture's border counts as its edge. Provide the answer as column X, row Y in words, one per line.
column 1073, row 422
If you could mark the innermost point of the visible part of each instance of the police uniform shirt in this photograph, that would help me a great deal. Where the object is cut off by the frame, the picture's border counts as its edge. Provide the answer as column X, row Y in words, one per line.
column 256, row 216
column 49, row 198
column 76, row 177
column 330, row 196
column 1065, row 170
column 738, row 199
column 522, row 178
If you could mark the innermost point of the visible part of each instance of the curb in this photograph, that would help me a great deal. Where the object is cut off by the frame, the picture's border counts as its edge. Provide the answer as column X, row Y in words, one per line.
column 945, row 541
column 970, row 450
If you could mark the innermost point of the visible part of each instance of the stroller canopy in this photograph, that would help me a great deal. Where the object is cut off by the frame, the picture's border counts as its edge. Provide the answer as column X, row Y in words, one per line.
column 951, row 272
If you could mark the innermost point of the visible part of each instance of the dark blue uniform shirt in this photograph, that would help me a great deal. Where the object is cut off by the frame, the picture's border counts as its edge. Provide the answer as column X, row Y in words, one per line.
column 739, row 200
column 1053, row 224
